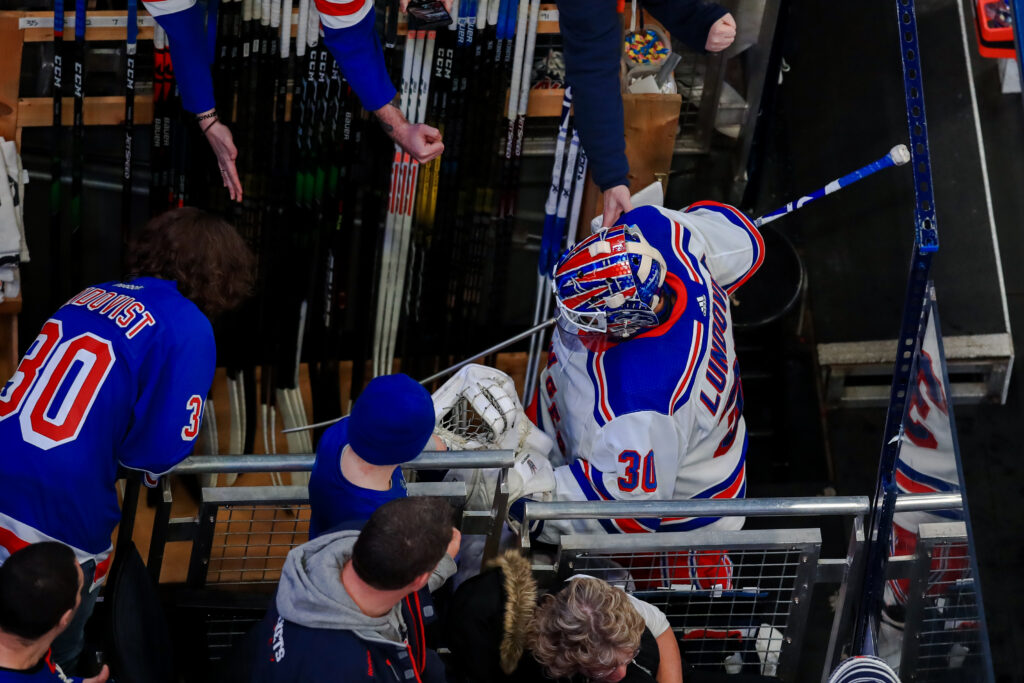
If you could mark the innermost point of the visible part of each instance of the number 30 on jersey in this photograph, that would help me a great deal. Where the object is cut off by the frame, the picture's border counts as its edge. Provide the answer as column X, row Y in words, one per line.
column 639, row 471
column 56, row 385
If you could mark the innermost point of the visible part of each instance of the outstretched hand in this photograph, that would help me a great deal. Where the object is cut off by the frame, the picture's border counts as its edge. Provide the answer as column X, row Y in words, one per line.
column 219, row 137
column 616, row 203
column 721, row 34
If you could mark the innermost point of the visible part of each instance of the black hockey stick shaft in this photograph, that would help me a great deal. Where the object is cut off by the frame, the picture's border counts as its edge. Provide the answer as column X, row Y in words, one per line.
column 56, row 166
column 129, row 121
column 78, row 146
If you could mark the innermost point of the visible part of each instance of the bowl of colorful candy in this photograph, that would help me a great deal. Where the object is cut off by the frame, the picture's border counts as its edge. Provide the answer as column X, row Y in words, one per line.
column 646, row 46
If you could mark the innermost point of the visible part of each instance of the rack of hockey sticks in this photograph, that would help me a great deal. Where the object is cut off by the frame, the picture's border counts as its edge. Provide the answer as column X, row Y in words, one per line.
column 417, row 67
column 567, row 180
column 462, row 217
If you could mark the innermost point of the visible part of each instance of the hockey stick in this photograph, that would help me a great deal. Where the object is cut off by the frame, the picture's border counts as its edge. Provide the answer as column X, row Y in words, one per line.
column 418, row 113
column 78, row 144
column 208, row 430
column 129, row 120
column 577, row 199
column 897, row 156
column 59, row 292
column 159, row 173
column 567, row 190
column 447, row 371
column 549, row 242
column 392, row 221
column 523, row 102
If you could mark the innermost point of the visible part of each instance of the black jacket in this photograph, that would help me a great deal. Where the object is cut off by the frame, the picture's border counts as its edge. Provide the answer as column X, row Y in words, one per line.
column 486, row 629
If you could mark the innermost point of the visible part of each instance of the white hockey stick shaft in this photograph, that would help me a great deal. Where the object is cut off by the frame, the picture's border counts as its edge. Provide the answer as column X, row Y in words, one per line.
column 394, row 199
column 303, row 26
column 418, row 114
column 286, row 28
column 527, row 66
column 454, row 368
column 570, row 173
column 517, row 61
column 577, row 198
column 313, row 29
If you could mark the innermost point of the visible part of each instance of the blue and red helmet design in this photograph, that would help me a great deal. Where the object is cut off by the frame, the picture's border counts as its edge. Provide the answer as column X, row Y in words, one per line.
column 610, row 282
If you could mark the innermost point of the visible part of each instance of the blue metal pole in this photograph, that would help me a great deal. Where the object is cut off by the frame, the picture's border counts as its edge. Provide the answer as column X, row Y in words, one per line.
column 926, row 242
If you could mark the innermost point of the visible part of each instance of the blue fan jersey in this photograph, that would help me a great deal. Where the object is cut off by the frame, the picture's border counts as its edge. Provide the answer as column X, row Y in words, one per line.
column 333, row 499
column 118, row 375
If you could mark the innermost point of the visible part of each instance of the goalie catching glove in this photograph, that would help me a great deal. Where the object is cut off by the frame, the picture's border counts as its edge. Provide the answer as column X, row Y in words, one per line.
column 478, row 409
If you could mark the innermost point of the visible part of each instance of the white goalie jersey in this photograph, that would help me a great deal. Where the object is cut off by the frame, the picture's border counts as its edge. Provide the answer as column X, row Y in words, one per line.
column 659, row 416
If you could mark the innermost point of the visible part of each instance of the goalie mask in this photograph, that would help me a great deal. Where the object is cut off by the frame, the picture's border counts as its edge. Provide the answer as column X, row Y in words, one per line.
column 610, row 282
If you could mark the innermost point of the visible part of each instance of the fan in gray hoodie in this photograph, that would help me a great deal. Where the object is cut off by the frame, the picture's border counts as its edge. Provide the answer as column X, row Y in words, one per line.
column 315, row 630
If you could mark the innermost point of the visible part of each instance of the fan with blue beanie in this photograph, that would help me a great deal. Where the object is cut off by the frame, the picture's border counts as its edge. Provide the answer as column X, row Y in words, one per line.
column 357, row 460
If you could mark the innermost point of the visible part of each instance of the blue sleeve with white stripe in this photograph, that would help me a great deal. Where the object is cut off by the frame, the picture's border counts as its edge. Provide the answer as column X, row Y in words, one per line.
column 361, row 58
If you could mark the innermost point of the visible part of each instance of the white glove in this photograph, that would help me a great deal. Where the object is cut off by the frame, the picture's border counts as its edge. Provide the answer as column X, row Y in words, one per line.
column 478, row 408
column 475, row 408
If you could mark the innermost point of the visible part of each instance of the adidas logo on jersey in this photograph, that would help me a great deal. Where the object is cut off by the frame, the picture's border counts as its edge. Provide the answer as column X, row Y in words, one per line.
column 703, row 301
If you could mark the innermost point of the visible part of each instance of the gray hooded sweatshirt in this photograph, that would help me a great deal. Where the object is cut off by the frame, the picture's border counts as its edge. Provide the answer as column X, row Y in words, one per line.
column 315, row 629
column 311, row 593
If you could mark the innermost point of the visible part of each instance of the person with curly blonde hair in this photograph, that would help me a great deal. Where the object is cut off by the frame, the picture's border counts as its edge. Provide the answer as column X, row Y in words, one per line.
column 595, row 630
column 498, row 632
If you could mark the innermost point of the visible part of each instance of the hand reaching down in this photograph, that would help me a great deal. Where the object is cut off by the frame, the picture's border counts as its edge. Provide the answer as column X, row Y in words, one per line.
column 616, row 203
column 219, row 137
column 721, row 34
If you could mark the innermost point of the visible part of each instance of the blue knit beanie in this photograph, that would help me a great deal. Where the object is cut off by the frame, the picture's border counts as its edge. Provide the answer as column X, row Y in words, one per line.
column 391, row 421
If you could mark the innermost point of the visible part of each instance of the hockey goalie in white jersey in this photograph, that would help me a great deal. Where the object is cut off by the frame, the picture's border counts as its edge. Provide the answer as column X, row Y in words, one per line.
column 641, row 392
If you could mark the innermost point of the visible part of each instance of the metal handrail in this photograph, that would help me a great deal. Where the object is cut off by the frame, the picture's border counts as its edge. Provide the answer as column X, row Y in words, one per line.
column 739, row 507
column 925, row 502
column 303, row 462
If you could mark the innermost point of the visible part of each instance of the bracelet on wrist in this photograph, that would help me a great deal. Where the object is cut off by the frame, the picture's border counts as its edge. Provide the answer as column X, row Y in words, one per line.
column 212, row 114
